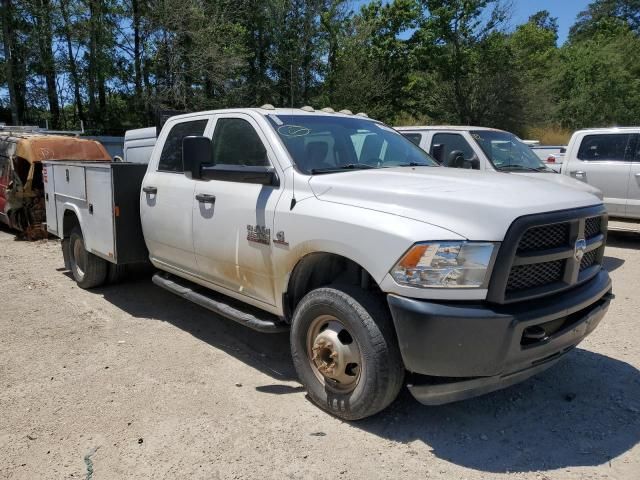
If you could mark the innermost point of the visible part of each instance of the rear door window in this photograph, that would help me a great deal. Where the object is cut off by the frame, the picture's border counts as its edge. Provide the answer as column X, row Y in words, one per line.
column 171, row 156
column 614, row 147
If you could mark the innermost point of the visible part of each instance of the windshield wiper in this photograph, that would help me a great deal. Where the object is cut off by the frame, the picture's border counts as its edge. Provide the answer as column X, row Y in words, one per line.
column 504, row 168
column 349, row 166
column 414, row 164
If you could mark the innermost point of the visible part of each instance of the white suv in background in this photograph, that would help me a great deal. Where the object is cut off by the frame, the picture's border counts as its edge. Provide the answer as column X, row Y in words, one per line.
column 486, row 149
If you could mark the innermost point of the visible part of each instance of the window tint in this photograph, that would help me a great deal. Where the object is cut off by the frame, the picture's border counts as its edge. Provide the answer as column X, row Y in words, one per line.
column 451, row 142
column 171, row 156
column 605, row 147
column 235, row 142
column 413, row 137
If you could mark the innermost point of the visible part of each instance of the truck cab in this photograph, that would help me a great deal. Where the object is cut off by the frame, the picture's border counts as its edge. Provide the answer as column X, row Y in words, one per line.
column 385, row 267
column 486, row 149
column 609, row 159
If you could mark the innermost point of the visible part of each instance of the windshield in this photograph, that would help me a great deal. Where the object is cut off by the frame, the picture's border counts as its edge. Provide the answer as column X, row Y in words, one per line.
column 328, row 144
column 507, row 152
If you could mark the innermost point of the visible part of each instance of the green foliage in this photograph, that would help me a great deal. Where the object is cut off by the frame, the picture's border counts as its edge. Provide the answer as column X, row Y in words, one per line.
column 113, row 63
column 598, row 82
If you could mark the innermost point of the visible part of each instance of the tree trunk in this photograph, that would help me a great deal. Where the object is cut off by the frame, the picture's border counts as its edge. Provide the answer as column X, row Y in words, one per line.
column 92, row 67
column 73, row 69
column 8, row 42
column 45, row 45
column 137, row 50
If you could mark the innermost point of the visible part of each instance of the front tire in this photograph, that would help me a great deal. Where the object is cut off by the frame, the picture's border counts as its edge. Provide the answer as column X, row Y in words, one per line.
column 88, row 270
column 345, row 351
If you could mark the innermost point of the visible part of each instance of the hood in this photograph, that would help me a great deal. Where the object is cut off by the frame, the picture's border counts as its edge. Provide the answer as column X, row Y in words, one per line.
column 563, row 180
column 472, row 204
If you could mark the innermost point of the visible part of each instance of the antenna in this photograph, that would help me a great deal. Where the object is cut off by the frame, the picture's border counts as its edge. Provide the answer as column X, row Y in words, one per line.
column 293, row 188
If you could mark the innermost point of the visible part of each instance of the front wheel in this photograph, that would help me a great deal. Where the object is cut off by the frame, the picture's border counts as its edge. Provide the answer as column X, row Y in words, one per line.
column 345, row 351
column 88, row 270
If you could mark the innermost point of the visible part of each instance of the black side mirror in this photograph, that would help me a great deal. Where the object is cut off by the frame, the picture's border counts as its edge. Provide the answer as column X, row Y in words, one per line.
column 196, row 151
column 437, row 151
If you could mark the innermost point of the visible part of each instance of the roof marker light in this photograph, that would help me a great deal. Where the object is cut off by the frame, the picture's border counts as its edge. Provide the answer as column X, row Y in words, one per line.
column 346, row 112
column 307, row 108
column 268, row 106
column 328, row 110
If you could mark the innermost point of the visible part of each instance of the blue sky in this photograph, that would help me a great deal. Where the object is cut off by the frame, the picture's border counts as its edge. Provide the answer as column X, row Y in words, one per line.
column 565, row 10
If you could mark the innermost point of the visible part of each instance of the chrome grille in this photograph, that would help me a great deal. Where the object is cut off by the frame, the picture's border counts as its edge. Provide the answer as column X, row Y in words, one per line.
column 534, row 275
column 544, row 237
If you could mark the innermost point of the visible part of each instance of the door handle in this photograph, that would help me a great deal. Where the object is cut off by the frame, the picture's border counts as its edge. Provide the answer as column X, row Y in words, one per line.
column 579, row 174
column 637, row 175
column 152, row 190
column 205, row 198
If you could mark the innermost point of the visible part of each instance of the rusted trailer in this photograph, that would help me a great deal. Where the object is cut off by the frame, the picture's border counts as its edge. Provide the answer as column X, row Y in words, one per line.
column 22, row 203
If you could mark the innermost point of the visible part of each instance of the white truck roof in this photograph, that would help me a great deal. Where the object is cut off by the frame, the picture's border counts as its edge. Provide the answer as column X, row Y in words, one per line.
column 609, row 130
column 276, row 111
column 448, row 127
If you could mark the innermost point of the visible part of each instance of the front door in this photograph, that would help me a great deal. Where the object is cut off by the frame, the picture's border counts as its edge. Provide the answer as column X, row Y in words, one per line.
column 233, row 221
column 167, row 199
column 604, row 161
column 451, row 147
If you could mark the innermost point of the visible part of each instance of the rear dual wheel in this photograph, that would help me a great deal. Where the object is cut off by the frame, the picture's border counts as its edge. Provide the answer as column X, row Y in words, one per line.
column 345, row 351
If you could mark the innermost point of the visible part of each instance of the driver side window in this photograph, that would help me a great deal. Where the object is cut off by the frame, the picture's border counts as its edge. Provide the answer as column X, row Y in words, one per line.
column 235, row 142
column 448, row 147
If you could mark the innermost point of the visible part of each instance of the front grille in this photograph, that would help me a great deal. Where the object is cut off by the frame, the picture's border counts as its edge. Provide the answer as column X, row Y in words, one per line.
column 588, row 260
column 546, row 253
column 592, row 227
column 534, row 275
column 544, row 237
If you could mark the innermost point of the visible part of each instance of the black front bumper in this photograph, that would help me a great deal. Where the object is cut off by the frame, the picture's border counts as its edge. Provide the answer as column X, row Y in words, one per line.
column 470, row 349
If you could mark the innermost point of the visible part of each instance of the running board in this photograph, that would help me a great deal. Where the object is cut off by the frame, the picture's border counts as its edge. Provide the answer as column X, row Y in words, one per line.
column 222, row 305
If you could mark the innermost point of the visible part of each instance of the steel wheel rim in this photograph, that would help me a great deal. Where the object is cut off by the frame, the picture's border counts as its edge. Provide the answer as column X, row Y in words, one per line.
column 79, row 258
column 334, row 354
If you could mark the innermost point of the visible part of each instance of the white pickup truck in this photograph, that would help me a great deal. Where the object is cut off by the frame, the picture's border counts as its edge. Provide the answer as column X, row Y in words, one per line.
column 609, row 159
column 486, row 149
column 386, row 267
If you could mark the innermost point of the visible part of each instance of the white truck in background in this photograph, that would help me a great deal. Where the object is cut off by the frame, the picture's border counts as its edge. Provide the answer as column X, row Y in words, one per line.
column 386, row 268
column 551, row 155
column 609, row 159
column 486, row 149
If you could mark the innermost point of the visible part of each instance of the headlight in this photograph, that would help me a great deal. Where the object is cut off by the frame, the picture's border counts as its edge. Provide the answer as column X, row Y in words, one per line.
column 444, row 265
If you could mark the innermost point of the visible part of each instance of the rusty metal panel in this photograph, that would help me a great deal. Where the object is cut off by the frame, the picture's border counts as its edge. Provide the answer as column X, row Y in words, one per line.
column 36, row 148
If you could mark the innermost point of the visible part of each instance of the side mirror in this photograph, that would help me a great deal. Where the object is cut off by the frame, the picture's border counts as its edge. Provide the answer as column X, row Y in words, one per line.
column 196, row 151
column 437, row 151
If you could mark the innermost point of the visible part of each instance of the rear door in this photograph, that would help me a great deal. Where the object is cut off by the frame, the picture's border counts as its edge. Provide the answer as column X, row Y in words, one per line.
column 604, row 161
column 167, row 198
column 233, row 221
column 633, row 201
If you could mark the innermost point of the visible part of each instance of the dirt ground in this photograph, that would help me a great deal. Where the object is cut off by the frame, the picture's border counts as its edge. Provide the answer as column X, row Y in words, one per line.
column 128, row 381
